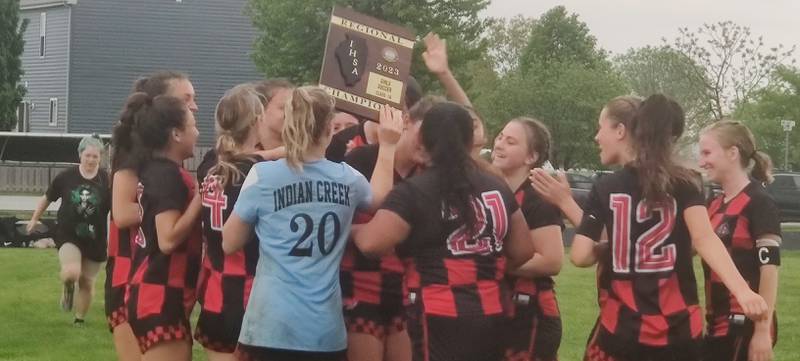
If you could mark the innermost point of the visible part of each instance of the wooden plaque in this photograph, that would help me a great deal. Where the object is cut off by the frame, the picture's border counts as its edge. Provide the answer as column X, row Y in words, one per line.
column 366, row 62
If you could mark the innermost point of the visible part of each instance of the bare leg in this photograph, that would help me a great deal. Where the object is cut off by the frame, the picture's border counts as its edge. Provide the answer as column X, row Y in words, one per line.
column 180, row 350
column 125, row 343
column 364, row 347
column 83, row 298
column 398, row 346
column 219, row 356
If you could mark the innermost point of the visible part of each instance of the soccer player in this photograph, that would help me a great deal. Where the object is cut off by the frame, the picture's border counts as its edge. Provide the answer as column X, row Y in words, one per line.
column 456, row 227
column 747, row 220
column 301, row 208
column 654, row 214
column 243, row 123
column 535, row 330
column 167, row 245
column 125, row 212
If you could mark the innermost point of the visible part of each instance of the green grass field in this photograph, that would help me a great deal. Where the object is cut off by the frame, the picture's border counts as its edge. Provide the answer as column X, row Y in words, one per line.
column 32, row 326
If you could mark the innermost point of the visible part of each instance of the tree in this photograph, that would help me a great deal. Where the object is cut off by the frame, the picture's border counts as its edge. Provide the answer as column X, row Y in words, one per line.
column 733, row 64
column 763, row 114
column 11, row 47
column 562, row 79
column 291, row 34
column 507, row 39
column 650, row 70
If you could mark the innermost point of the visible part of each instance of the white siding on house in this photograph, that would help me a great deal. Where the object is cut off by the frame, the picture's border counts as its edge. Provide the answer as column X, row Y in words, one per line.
column 46, row 77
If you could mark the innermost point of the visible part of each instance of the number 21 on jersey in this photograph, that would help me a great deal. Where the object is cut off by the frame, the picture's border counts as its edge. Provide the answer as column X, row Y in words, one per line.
column 650, row 255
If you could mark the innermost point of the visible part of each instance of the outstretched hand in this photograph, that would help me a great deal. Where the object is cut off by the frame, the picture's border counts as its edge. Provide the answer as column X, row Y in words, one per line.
column 435, row 55
column 391, row 125
column 553, row 190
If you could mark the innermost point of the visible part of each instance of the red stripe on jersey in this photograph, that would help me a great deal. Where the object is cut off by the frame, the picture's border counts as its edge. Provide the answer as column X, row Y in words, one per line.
column 392, row 263
column 623, row 289
column 489, row 292
column 715, row 205
column 177, row 270
column 654, row 330
column 460, row 271
column 439, row 300
column 520, row 196
column 500, row 268
column 151, row 298
column 737, row 204
column 412, row 279
column 122, row 269
column 212, row 299
column 670, row 298
column 742, row 239
column 609, row 314
column 113, row 239
column 367, row 287
column 248, row 286
column 234, row 264
column 525, row 286
column 548, row 303
column 720, row 326
column 695, row 321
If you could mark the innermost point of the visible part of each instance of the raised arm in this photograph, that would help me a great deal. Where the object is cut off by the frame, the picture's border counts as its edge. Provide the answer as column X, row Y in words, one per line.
column 391, row 125
column 435, row 57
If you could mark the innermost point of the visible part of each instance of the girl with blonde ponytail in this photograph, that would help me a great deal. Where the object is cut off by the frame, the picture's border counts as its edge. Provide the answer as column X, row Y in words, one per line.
column 242, row 124
column 747, row 220
column 301, row 209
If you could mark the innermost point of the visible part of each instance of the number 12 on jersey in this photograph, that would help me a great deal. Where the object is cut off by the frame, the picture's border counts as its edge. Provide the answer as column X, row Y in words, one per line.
column 650, row 255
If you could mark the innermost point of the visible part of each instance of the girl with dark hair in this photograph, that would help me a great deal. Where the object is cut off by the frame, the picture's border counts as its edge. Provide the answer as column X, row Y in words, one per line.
column 125, row 208
column 81, row 231
column 301, row 209
column 461, row 228
column 653, row 213
column 747, row 220
column 167, row 245
column 243, row 121
column 535, row 330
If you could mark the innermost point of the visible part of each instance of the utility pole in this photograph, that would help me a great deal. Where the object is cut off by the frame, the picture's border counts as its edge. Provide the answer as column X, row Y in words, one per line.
column 787, row 128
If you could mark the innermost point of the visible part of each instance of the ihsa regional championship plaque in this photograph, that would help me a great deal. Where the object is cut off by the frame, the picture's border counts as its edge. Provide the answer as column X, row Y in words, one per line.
column 366, row 62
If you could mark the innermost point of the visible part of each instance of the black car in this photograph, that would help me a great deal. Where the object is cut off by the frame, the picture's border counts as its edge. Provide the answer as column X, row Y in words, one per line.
column 580, row 186
column 786, row 192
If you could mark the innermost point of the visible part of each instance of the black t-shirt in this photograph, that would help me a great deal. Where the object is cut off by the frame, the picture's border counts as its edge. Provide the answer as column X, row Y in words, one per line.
column 163, row 188
column 345, row 140
column 443, row 253
column 209, row 160
column 84, row 205
column 648, row 275
column 217, row 207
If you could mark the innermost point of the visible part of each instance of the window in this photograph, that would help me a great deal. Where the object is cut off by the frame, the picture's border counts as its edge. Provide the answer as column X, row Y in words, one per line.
column 53, row 120
column 42, row 31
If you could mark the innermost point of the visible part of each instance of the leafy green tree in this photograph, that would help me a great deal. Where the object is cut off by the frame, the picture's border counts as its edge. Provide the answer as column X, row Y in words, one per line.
column 763, row 114
column 11, row 47
column 291, row 34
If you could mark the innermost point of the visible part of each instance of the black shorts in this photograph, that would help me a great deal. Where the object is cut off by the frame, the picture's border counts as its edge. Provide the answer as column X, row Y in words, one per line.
column 532, row 335
column 90, row 249
column 255, row 353
column 438, row 338
column 170, row 324
column 222, row 305
column 736, row 345
column 376, row 320
column 595, row 351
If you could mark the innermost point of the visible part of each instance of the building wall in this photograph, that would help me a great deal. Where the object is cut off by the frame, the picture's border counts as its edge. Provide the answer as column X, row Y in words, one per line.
column 46, row 77
column 116, row 41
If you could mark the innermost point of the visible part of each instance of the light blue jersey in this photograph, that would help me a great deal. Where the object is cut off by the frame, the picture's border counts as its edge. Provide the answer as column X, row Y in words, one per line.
column 302, row 220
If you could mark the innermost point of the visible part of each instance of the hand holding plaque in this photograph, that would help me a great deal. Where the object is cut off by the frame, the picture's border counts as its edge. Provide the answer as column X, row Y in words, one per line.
column 366, row 63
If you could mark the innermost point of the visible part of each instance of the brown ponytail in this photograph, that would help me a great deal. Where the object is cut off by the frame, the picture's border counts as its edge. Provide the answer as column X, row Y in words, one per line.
column 659, row 122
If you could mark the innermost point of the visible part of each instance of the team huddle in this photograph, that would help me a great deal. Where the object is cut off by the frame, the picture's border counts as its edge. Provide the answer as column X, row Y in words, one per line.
column 303, row 238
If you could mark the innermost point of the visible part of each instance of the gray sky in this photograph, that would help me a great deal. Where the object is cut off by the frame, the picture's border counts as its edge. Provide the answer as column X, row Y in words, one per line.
column 622, row 24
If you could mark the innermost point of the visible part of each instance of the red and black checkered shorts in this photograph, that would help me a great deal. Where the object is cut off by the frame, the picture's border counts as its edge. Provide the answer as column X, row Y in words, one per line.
column 534, row 329
column 223, row 299
column 117, row 317
column 375, row 320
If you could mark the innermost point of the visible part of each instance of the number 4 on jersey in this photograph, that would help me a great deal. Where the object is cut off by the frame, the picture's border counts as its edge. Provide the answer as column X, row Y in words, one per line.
column 650, row 253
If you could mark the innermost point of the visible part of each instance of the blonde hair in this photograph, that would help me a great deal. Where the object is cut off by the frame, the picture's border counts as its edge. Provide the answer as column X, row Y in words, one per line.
column 731, row 133
column 308, row 115
column 236, row 114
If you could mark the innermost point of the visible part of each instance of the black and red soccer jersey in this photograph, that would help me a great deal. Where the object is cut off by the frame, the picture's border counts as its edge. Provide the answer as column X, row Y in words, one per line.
column 739, row 223
column 118, row 270
column 454, row 271
column 345, row 141
column 226, row 280
column 365, row 279
column 162, row 286
column 536, row 320
column 647, row 273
